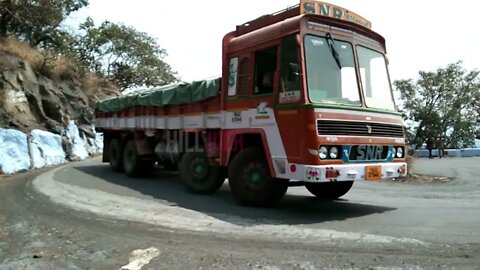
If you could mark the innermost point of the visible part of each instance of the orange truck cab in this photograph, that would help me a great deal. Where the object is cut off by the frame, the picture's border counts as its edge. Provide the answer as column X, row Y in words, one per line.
column 304, row 99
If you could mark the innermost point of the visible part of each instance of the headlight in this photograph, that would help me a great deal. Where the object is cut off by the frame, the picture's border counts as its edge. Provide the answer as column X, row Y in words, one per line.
column 333, row 152
column 323, row 152
column 399, row 152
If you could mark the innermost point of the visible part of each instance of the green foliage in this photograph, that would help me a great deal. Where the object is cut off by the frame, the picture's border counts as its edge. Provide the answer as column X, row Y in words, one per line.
column 126, row 56
column 37, row 22
column 444, row 103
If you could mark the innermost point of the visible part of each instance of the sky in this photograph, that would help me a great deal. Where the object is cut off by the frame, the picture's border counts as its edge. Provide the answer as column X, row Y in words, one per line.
column 420, row 35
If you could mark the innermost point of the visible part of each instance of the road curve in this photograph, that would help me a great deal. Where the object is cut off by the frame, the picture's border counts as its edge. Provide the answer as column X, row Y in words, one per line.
column 373, row 212
column 372, row 224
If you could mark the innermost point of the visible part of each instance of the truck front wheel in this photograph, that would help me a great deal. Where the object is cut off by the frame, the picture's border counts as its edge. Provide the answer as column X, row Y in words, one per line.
column 198, row 175
column 115, row 155
column 250, row 180
column 329, row 190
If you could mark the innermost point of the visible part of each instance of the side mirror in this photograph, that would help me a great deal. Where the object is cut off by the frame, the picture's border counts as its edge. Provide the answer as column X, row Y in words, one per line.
column 293, row 72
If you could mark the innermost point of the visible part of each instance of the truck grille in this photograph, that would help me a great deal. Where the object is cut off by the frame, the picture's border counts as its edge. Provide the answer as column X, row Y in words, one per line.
column 329, row 127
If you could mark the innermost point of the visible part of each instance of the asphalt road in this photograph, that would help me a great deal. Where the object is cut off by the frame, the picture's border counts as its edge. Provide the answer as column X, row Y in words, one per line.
column 84, row 216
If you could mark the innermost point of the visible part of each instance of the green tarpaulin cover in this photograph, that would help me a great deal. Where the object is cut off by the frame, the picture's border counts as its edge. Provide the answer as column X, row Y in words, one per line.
column 179, row 93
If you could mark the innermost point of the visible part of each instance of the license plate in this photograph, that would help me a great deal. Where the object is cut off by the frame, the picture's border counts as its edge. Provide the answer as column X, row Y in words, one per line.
column 373, row 173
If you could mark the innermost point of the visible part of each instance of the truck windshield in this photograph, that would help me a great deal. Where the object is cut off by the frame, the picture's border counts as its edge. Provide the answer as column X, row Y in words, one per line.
column 330, row 71
column 376, row 86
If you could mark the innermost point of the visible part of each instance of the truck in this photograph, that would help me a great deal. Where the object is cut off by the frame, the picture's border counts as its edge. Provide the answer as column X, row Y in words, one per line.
column 304, row 99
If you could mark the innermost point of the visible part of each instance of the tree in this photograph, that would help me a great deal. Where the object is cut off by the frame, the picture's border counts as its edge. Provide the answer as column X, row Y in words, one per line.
column 127, row 57
column 37, row 21
column 442, row 103
column 123, row 55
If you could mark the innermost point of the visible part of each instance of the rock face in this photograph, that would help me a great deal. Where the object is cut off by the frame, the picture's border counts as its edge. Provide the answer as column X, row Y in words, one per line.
column 45, row 121
column 31, row 101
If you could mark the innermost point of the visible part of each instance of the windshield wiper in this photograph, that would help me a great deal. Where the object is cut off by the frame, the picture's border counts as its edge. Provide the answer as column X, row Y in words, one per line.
column 331, row 45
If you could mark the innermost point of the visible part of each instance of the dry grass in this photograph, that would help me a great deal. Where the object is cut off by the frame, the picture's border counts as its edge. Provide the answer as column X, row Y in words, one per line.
column 96, row 87
column 57, row 67
column 64, row 68
column 12, row 46
column 415, row 178
column 424, row 179
column 91, row 83
column 48, row 64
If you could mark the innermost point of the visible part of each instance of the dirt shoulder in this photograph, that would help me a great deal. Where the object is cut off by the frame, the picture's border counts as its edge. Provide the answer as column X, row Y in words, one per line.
column 415, row 178
column 437, row 171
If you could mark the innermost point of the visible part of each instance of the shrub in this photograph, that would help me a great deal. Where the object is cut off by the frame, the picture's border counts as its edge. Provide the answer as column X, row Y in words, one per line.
column 64, row 68
column 11, row 46
column 96, row 87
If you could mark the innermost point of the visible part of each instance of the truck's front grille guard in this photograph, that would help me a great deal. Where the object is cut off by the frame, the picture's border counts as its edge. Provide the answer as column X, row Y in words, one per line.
column 350, row 128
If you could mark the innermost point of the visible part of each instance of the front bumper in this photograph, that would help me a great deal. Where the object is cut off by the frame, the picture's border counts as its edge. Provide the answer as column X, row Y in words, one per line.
column 345, row 172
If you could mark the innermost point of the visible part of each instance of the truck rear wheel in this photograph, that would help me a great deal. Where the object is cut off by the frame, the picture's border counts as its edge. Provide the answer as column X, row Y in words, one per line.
column 198, row 175
column 329, row 190
column 115, row 155
column 134, row 165
column 250, row 180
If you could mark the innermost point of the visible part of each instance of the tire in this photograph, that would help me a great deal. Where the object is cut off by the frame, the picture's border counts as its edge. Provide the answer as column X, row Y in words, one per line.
column 280, row 190
column 198, row 175
column 250, row 180
column 115, row 155
column 329, row 190
column 133, row 164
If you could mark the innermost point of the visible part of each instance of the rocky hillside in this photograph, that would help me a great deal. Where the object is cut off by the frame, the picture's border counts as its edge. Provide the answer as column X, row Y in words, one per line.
column 46, row 116
column 30, row 100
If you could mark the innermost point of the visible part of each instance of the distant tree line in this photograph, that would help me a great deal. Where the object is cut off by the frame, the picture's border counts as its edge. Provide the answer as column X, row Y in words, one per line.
column 125, row 56
column 443, row 103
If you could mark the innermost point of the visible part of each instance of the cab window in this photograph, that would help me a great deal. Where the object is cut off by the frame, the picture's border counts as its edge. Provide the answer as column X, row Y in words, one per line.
column 289, row 73
column 265, row 63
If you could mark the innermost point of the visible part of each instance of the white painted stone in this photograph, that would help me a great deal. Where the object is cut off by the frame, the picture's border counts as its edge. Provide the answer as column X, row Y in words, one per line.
column 140, row 257
column 99, row 141
column 36, row 156
column 16, row 96
column 79, row 149
column 46, row 149
column 14, row 156
column 93, row 145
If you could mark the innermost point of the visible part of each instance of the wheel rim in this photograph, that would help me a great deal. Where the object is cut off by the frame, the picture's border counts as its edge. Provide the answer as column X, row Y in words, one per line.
column 254, row 176
column 199, row 169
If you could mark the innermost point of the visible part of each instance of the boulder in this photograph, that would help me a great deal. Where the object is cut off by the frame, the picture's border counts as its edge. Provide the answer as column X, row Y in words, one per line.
column 73, row 143
column 88, row 130
column 94, row 145
column 45, row 149
column 99, row 141
column 14, row 155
